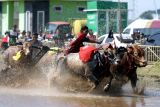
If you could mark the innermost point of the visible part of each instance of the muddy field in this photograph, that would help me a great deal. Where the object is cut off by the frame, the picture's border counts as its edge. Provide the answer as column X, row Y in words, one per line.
column 29, row 88
column 41, row 96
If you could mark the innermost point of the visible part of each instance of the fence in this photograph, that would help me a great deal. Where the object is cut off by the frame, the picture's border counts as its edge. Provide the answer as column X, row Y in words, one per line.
column 152, row 53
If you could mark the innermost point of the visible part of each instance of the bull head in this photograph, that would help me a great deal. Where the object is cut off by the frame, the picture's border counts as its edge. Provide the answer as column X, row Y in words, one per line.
column 138, row 54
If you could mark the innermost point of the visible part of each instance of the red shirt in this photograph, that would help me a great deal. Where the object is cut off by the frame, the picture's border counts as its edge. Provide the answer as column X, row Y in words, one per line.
column 76, row 44
column 79, row 41
column 5, row 39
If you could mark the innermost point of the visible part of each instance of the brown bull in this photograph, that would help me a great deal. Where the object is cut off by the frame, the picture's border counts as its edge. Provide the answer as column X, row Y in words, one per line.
column 129, row 61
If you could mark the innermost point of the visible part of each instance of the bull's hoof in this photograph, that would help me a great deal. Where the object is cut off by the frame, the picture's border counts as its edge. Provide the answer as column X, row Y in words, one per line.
column 135, row 90
column 106, row 87
column 93, row 86
column 139, row 91
column 90, row 90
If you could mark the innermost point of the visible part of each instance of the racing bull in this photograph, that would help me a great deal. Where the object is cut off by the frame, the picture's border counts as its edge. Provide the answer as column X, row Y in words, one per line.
column 131, row 58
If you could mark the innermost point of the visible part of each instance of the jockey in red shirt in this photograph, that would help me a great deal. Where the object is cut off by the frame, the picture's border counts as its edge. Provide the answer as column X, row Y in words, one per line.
column 74, row 46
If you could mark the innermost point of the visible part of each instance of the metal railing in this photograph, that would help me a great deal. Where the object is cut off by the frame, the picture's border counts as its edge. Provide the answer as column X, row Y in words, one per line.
column 152, row 53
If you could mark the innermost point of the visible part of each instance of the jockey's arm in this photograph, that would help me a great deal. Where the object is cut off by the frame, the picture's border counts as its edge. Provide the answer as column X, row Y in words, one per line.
column 92, row 41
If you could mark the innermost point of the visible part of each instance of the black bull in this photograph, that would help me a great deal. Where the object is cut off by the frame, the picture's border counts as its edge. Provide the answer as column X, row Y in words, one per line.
column 95, row 71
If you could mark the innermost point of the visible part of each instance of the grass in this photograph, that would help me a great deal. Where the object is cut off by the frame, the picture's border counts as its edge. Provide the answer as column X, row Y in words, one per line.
column 150, row 70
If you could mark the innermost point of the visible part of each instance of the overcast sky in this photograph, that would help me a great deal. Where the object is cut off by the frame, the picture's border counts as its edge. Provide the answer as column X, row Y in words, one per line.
column 140, row 6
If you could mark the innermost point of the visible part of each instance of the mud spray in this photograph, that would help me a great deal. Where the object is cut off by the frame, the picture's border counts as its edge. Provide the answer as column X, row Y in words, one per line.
column 34, row 81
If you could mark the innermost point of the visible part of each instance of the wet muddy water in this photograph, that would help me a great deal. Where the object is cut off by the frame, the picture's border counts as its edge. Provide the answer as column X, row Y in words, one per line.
column 45, row 97
column 31, row 90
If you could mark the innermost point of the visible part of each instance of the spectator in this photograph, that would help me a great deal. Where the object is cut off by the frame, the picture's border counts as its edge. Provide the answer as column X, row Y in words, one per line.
column 28, row 37
column 5, row 40
column 22, row 35
column 13, row 35
column 40, row 36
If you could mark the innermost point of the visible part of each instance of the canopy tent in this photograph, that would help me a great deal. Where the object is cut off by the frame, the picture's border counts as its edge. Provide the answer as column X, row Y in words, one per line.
column 143, row 23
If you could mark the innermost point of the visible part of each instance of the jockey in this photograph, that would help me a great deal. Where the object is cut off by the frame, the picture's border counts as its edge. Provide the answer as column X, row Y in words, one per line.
column 28, row 37
column 78, row 42
column 35, row 42
column 36, row 45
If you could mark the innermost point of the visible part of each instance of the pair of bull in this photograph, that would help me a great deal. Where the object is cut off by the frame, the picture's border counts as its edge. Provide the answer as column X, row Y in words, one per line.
column 95, row 71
